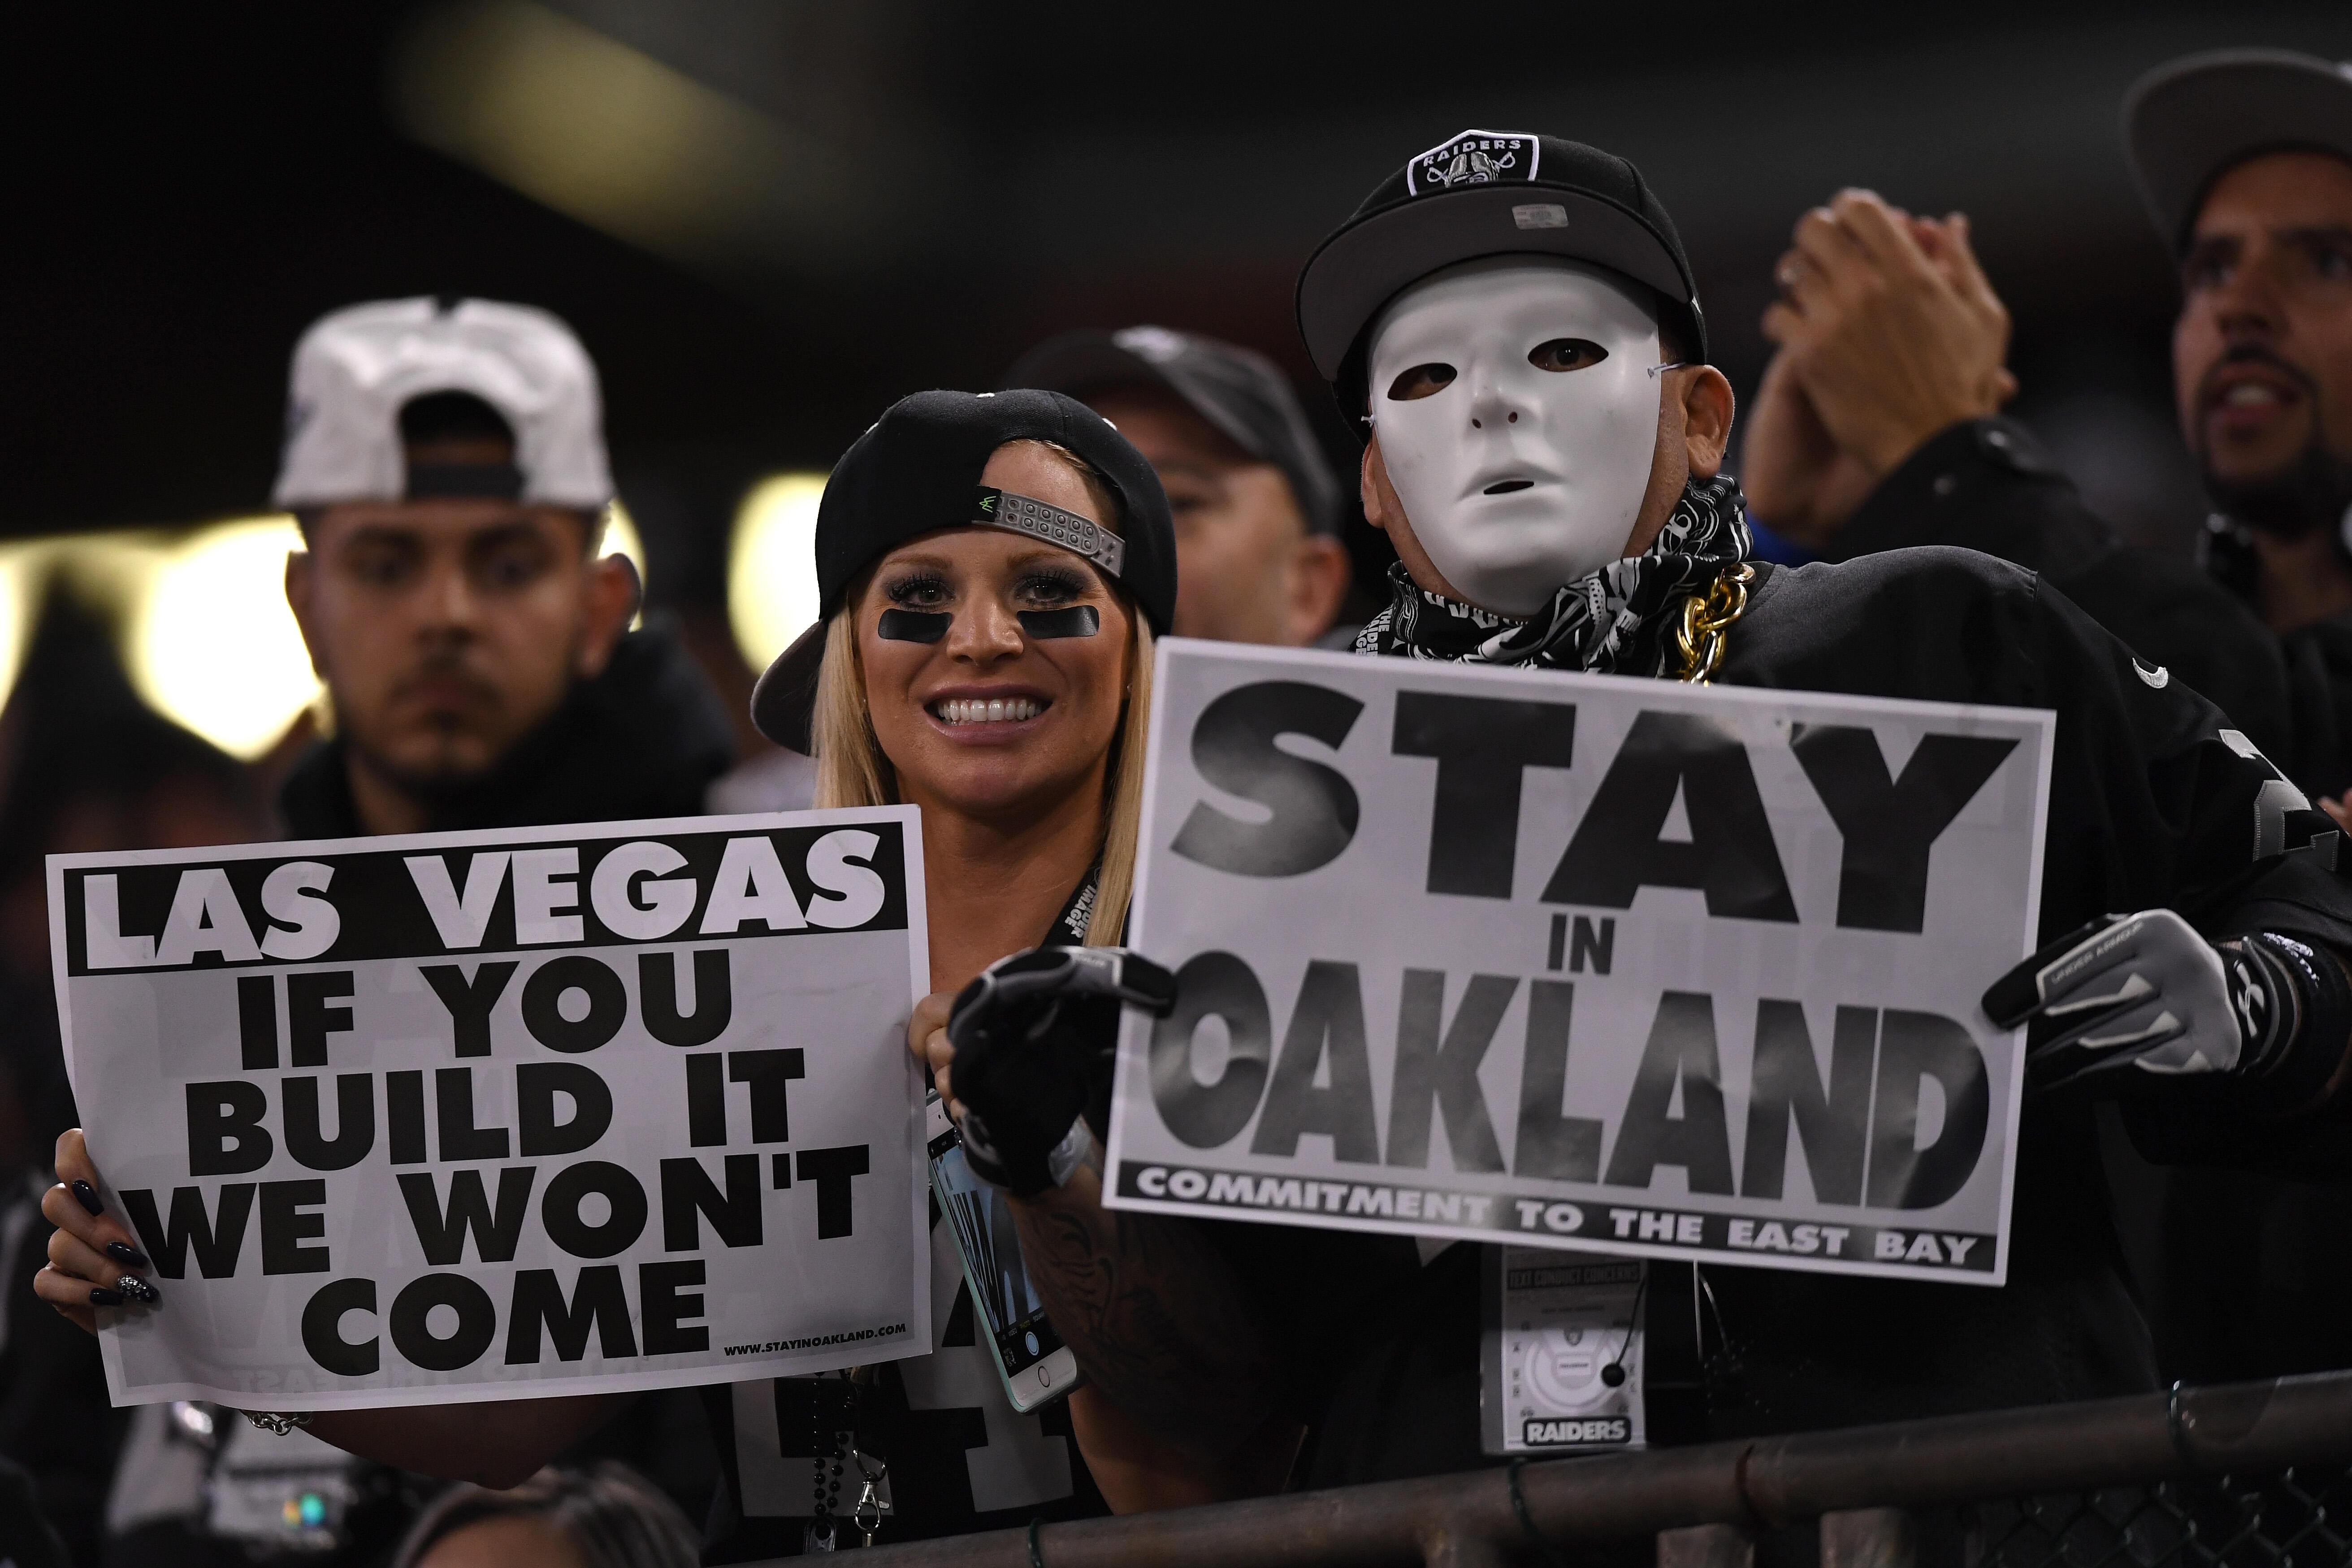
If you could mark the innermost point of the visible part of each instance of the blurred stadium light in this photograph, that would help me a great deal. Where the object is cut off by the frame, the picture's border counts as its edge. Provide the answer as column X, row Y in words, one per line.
column 201, row 618
column 771, row 565
column 618, row 140
column 207, row 637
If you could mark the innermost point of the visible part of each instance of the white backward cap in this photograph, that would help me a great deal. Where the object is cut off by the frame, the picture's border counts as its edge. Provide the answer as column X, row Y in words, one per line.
column 355, row 369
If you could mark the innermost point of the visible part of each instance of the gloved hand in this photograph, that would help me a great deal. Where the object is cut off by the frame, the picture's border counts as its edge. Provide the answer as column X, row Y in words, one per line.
column 2145, row 991
column 1034, row 1038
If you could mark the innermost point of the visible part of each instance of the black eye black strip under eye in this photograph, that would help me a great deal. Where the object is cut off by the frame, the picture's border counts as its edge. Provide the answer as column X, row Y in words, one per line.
column 1078, row 621
column 914, row 626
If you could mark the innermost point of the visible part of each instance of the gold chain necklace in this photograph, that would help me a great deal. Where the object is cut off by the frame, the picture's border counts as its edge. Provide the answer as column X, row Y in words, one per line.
column 1703, row 628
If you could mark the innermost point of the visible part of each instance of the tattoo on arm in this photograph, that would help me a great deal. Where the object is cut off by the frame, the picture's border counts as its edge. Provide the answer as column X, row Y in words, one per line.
column 1155, row 1316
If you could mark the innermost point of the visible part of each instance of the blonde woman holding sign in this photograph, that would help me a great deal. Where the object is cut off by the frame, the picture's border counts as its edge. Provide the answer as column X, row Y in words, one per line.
column 993, row 569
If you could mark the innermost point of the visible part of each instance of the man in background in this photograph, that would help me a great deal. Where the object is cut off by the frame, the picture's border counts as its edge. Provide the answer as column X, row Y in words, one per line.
column 1876, row 427
column 1258, row 510
column 445, row 460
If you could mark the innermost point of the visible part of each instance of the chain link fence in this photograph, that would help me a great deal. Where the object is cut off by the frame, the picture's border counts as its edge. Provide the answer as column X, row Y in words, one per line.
column 2299, row 1518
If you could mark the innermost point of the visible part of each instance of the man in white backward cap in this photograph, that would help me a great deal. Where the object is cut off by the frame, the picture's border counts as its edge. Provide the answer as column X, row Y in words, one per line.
column 445, row 458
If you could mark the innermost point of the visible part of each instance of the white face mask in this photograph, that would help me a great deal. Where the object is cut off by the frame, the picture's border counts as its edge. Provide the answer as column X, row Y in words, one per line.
column 1516, row 478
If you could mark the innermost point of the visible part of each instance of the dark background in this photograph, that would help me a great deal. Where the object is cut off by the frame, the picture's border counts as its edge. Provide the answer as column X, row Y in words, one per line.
column 813, row 210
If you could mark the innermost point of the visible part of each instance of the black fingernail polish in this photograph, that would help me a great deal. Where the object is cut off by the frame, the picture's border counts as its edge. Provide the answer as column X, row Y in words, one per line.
column 133, row 1285
column 123, row 1252
column 101, row 1297
column 87, row 1195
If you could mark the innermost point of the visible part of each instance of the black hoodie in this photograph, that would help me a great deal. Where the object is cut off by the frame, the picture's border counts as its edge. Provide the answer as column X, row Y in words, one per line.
column 642, row 740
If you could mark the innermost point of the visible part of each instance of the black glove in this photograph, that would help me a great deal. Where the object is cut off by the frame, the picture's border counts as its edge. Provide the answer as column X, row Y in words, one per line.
column 1034, row 1038
column 2145, row 992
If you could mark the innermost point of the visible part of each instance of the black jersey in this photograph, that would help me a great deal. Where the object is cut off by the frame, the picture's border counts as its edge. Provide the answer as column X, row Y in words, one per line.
column 2156, row 801
column 959, row 1457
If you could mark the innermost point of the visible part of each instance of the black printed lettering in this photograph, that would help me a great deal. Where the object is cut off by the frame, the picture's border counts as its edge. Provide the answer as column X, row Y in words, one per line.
column 226, row 1137
column 598, row 1303
column 769, row 1075
column 322, row 1330
column 403, row 1117
column 1327, row 1024
column 461, row 1141
column 1834, row 1124
column 714, row 997
column 1913, row 1047
column 1890, row 825
column 543, row 1003
column 470, row 998
column 705, row 1100
column 288, row 1221
column 832, row 1171
column 256, row 1022
column 537, row 1085
column 1313, row 808
column 1444, row 1076
column 690, row 1196
column 354, row 1121
column 216, row 1239
column 411, row 1321
column 665, row 1306
column 1617, row 849
column 559, row 1209
column 1221, row 986
column 308, row 1019
column 1681, row 1051
column 1483, row 746
column 441, row 1232
column 1550, row 1144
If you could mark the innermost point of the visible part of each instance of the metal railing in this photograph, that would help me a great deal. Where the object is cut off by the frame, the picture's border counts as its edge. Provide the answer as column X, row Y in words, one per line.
column 2115, row 1481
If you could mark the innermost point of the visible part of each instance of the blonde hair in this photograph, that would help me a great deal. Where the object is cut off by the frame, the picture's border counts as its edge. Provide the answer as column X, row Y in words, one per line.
column 851, row 771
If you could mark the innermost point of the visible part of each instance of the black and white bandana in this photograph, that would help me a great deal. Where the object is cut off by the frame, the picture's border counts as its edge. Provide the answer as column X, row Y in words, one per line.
column 1612, row 621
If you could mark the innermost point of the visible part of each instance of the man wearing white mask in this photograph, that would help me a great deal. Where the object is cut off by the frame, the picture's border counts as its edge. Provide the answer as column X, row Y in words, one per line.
column 1513, row 319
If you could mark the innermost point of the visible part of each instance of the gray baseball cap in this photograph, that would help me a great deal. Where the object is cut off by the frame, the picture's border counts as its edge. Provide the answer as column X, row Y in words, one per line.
column 2190, row 120
column 1241, row 394
column 357, row 368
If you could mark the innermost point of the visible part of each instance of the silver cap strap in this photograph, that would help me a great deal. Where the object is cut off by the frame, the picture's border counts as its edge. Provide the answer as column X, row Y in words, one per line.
column 1026, row 514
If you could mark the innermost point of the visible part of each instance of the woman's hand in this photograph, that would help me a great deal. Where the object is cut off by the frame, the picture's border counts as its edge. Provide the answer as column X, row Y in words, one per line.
column 93, row 1259
column 926, row 1037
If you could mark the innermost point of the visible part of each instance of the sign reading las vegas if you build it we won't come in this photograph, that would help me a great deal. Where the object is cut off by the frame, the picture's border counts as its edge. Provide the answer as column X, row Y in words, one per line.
column 473, row 1116
column 1582, row 961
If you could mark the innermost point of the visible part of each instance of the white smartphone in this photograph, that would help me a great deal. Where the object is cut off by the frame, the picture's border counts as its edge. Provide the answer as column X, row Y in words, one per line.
column 1037, row 1368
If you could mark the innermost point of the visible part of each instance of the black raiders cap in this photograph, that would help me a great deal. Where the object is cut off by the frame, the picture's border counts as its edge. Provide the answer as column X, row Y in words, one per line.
column 917, row 470
column 1487, row 193
column 1241, row 394
column 2188, row 122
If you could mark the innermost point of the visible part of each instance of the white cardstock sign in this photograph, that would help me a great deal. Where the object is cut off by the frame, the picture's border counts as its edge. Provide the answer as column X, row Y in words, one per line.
column 487, row 1115
column 1582, row 961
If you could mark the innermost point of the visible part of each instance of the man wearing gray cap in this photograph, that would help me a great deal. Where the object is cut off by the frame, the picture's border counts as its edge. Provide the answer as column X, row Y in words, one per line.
column 1256, row 508
column 2243, row 158
column 1876, row 425
column 445, row 458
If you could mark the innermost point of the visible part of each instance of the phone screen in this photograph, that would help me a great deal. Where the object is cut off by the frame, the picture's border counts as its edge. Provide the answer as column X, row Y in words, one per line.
column 1009, row 1307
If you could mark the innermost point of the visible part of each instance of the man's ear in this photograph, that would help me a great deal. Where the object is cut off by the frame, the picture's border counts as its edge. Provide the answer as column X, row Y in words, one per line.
column 1371, row 484
column 615, row 592
column 1709, row 409
column 301, row 580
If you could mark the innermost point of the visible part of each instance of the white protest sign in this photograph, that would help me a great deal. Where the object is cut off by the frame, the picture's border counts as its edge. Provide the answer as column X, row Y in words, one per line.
column 1582, row 961
column 491, row 1115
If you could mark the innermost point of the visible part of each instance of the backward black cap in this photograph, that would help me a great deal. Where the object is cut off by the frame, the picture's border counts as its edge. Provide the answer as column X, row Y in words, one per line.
column 914, row 471
column 1480, row 194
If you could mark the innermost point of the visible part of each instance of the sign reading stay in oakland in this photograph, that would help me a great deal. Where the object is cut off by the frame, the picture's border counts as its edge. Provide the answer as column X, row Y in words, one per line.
column 475, row 1116
column 1613, row 965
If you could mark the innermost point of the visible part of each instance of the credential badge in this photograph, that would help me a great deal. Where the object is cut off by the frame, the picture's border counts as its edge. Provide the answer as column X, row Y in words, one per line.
column 1473, row 158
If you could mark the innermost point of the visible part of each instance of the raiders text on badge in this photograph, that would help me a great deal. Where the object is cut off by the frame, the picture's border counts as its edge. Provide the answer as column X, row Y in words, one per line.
column 1474, row 158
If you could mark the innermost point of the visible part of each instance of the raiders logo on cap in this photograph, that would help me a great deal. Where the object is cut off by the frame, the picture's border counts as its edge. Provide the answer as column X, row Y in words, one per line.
column 1473, row 158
